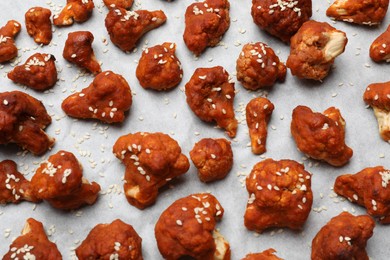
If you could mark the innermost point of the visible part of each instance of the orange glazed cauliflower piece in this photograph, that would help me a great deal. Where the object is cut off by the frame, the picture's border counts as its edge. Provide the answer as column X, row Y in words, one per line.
column 343, row 237
column 152, row 160
column 127, row 27
column 281, row 18
column 38, row 24
column 258, row 113
column 380, row 47
column 78, row 50
column 368, row 188
column 377, row 95
column 8, row 32
column 60, row 181
column 116, row 240
column 187, row 229
column 279, row 195
column 39, row 72
column 205, row 24
column 13, row 186
column 159, row 68
column 210, row 95
column 321, row 136
column 107, row 99
column 213, row 158
column 125, row 4
column 314, row 48
column 265, row 255
column 368, row 12
column 22, row 121
column 33, row 244
column 259, row 67
column 77, row 11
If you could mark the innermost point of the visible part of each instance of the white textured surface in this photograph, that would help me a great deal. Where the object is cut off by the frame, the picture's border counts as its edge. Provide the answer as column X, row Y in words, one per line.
column 343, row 88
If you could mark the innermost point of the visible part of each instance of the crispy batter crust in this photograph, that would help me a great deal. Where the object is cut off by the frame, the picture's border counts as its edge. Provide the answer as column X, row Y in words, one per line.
column 213, row 158
column 111, row 4
column 152, row 160
column 77, row 11
column 107, row 241
column 377, row 95
column 205, row 24
column 39, row 72
column 78, row 50
column 60, row 181
column 258, row 114
column 258, row 66
column 210, row 96
column 279, row 195
column 13, row 186
column 368, row 188
column 33, row 244
column 321, row 136
column 187, row 229
column 380, row 47
column 343, row 237
column 8, row 32
column 127, row 27
column 367, row 12
column 159, row 68
column 265, row 255
column 107, row 99
column 38, row 24
column 314, row 48
column 22, row 120
column 281, row 18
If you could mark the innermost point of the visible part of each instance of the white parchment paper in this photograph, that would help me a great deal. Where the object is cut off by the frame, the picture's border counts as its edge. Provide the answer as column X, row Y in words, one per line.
column 168, row 112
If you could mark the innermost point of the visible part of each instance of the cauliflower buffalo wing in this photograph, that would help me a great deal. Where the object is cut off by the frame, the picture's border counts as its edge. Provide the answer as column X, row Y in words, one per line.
column 205, row 24
column 107, row 99
column 213, row 158
column 279, row 195
column 39, row 72
column 321, row 136
column 343, row 237
column 22, row 121
column 377, row 95
column 210, row 95
column 313, row 50
column 152, row 160
column 187, row 229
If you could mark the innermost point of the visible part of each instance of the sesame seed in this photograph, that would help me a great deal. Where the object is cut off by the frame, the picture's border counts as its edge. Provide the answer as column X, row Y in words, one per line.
column 213, row 156
column 5, row 102
column 73, row 56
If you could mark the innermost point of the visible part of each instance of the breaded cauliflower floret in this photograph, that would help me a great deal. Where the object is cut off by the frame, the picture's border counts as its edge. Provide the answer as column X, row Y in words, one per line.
column 281, row 18
column 127, row 27
column 38, row 24
column 152, row 160
column 187, row 229
column 23, row 120
column 39, row 72
column 116, row 240
column 107, row 99
column 210, row 95
column 213, row 158
column 368, row 188
column 321, row 136
column 377, row 95
column 205, row 24
column 367, row 12
column 259, row 67
column 159, row 68
column 279, row 195
column 343, row 237
column 8, row 32
column 33, row 244
column 314, row 48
